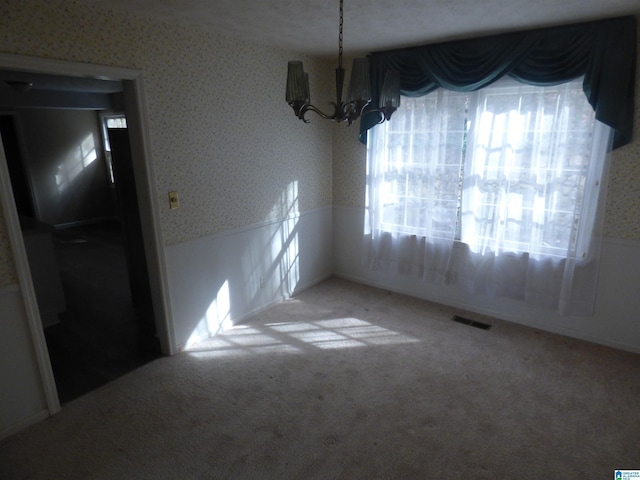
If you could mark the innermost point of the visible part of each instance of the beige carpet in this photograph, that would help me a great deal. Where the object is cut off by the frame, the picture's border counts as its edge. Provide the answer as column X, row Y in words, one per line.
column 350, row 382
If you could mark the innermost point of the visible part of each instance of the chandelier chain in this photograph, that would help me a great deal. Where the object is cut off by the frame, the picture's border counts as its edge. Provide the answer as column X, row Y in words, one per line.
column 358, row 89
column 340, row 36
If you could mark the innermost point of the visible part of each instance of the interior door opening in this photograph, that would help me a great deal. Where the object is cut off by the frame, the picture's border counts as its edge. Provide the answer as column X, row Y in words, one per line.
column 89, row 272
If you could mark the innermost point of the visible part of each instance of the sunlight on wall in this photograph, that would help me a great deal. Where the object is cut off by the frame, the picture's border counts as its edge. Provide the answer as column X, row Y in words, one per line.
column 284, row 245
column 217, row 317
column 268, row 271
column 271, row 263
column 297, row 338
column 82, row 156
column 290, row 260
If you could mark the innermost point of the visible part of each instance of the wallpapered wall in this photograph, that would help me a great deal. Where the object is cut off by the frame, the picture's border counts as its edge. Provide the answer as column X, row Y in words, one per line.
column 622, row 217
column 221, row 133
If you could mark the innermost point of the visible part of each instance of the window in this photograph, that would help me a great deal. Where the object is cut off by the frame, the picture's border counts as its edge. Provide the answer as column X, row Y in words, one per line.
column 511, row 168
column 111, row 121
column 496, row 191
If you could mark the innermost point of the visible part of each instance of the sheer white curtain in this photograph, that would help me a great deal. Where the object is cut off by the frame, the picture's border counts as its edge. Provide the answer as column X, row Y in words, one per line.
column 414, row 180
column 498, row 191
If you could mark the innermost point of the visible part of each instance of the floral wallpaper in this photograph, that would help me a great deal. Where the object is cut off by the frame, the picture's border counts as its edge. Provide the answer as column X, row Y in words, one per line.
column 236, row 145
column 622, row 217
column 349, row 167
column 220, row 131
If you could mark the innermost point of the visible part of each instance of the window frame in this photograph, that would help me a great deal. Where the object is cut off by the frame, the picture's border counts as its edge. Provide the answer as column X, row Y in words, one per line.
column 473, row 99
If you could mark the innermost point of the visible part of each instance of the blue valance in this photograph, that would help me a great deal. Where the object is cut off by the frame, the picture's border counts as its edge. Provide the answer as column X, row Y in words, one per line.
column 603, row 51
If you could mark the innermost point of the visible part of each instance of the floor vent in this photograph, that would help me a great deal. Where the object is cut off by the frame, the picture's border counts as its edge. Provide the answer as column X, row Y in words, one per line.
column 473, row 323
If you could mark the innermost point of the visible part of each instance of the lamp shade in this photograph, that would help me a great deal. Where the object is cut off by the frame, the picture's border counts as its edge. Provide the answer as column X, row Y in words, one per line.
column 390, row 93
column 358, row 91
column 360, row 84
column 297, row 83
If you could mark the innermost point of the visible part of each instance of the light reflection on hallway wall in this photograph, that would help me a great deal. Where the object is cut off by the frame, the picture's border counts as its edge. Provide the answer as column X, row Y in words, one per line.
column 75, row 162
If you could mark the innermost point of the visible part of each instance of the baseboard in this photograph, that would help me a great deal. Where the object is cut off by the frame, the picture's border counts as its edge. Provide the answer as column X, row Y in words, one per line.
column 17, row 427
column 567, row 332
column 81, row 223
column 306, row 286
column 256, row 311
column 234, row 321
column 276, row 301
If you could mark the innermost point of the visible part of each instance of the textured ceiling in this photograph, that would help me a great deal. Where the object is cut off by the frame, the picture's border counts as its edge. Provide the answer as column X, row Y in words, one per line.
column 311, row 26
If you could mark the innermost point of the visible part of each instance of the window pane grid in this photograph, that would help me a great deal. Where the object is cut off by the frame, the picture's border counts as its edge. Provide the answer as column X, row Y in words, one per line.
column 420, row 178
column 508, row 175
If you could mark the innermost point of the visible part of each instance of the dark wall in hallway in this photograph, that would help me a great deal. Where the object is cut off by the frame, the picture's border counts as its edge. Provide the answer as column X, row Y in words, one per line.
column 65, row 165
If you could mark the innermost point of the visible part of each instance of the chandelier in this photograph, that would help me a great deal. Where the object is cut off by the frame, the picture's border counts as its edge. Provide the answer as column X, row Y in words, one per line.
column 358, row 91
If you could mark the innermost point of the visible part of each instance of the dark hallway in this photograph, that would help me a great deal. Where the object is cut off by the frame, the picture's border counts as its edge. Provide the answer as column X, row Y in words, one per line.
column 101, row 335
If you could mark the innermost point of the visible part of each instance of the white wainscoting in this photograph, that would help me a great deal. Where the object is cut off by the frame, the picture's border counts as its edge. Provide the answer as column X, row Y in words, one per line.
column 222, row 279
column 22, row 399
column 615, row 323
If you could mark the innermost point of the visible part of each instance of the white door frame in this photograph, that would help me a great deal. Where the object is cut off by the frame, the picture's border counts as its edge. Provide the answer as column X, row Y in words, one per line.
column 145, row 186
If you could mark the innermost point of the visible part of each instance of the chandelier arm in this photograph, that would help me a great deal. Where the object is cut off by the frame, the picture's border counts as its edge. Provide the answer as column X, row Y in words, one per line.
column 347, row 111
column 358, row 93
column 312, row 108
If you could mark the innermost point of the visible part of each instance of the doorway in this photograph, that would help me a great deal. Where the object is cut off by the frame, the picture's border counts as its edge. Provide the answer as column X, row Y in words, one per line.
column 79, row 247
column 84, row 248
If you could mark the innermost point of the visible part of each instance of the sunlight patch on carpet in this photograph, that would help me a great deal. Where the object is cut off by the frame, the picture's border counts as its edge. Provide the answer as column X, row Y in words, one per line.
column 297, row 337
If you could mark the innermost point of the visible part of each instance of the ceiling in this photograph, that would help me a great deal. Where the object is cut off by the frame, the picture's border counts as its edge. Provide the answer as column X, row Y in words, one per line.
column 311, row 26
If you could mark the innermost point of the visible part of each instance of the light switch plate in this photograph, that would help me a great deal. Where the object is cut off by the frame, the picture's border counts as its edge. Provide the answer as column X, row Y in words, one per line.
column 173, row 200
